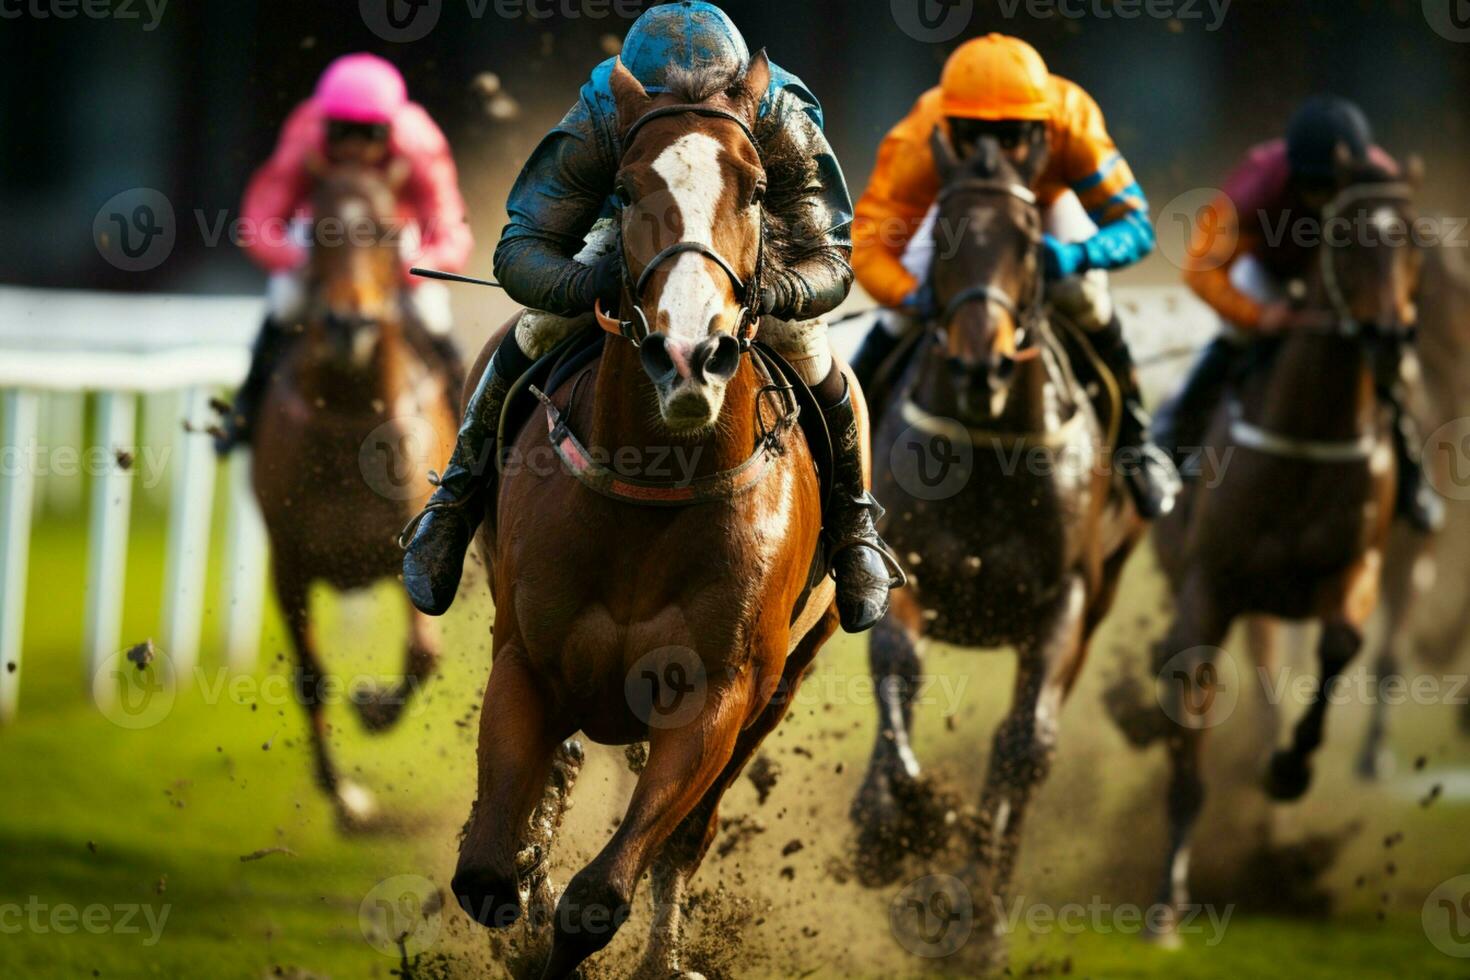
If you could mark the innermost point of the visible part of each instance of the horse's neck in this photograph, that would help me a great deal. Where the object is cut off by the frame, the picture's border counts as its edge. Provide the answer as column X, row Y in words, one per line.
column 326, row 383
column 625, row 416
column 1318, row 387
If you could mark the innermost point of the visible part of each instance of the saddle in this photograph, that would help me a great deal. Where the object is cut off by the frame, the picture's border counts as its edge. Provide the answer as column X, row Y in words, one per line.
column 567, row 361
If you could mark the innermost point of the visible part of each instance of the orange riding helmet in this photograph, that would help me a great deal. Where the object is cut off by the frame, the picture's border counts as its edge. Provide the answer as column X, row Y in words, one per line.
column 996, row 77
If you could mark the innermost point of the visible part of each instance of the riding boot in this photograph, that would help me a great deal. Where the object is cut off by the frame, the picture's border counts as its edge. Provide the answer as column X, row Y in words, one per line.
column 1417, row 501
column 239, row 422
column 1179, row 425
column 864, row 567
column 876, row 348
column 439, row 536
column 1151, row 477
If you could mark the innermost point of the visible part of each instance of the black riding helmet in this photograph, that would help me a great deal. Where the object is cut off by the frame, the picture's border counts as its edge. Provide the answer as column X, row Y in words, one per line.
column 1320, row 126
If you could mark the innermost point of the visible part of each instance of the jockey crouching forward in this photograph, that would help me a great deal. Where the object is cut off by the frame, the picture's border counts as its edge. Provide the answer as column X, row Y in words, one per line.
column 1244, row 272
column 558, row 257
column 999, row 86
column 359, row 114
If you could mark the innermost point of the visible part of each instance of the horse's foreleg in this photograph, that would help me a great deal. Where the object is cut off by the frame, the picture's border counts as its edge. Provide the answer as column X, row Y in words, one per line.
column 353, row 803
column 381, row 707
column 518, row 734
column 1021, row 758
column 1375, row 759
column 682, row 854
column 683, row 763
column 1187, row 684
column 1290, row 772
column 895, row 664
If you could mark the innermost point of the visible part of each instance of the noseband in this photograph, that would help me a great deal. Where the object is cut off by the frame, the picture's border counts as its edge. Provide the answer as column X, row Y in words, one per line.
column 637, row 328
column 981, row 292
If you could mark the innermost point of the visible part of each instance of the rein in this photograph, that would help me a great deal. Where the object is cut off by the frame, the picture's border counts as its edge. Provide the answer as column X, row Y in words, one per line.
column 637, row 328
column 600, row 478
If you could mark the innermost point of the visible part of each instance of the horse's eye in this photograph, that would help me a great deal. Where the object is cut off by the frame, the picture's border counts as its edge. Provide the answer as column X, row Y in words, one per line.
column 758, row 194
column 624, row 196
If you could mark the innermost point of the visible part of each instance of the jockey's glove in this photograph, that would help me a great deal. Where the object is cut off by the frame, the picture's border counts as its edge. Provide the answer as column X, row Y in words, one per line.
column 920, row 303
column 1063, row 259
column 603, row 280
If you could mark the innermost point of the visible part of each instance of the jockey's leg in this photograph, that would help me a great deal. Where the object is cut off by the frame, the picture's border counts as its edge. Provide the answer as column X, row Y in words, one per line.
column 1416, row 502
column 1087, row 301
column 861, row 561
column 1182, row 422
column 426, row 309
column 434, row 559
column 285, row 304
column 895, row 324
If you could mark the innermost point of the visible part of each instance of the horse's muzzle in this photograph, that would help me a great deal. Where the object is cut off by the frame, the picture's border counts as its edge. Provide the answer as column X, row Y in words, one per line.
column 667, row 360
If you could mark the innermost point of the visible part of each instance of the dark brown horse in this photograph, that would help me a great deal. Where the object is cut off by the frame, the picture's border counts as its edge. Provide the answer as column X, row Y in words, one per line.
column 349, row 423
column 1001, row 503
column 1294, row 520
column 632, row 607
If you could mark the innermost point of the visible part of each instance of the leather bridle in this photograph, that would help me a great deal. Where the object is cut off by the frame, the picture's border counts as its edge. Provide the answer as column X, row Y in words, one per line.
column 637, row 328
column 1397, row 191
column 981, row 292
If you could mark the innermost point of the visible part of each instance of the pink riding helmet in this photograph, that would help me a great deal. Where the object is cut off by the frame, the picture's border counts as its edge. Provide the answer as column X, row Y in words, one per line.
column 361, row 88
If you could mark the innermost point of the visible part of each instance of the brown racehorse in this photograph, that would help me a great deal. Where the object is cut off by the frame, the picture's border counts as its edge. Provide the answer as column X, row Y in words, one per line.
column 1292, row 523
column 1000, row 498
column 348, row 420
column 678, row 623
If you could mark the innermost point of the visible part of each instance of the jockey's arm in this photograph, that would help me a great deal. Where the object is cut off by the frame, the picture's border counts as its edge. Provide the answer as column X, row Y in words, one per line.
column 555, row 201
column 900, row 192
column 1088, row 161
column 1216, row 243
column 808, row 194
column 433, row 191
column 277, row 190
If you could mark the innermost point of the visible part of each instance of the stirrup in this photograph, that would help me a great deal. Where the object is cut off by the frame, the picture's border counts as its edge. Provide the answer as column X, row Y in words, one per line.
column 897, row 577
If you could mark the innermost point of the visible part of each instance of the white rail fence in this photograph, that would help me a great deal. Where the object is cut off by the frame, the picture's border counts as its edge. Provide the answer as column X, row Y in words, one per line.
column 167, row 355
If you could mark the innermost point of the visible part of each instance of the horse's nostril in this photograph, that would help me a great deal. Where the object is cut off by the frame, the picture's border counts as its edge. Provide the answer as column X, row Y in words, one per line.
column 718, row 358
column 657, row 362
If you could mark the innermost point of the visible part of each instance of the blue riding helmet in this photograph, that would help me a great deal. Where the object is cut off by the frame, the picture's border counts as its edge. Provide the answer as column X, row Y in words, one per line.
column 691, row 34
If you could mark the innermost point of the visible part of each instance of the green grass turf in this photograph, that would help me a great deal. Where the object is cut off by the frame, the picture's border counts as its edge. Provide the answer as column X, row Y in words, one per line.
column 94, row 814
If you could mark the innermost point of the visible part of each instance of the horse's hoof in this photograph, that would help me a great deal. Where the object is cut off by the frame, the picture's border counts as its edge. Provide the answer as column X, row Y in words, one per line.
column 1137, row 718
column 378, row 708
column 489, row 899
column 1375, row 766
column 356, row 805
column 1288, row 776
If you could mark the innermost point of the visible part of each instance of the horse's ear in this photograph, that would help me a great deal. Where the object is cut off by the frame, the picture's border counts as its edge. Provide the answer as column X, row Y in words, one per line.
column 1414, row 171
column 757, row 80
column 316, row 164
column 631, row 97
column 398, row 173
column 946, row 160
column 1343, row 163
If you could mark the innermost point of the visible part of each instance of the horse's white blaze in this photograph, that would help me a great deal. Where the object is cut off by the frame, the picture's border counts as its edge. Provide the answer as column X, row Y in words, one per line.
column 693, row 294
